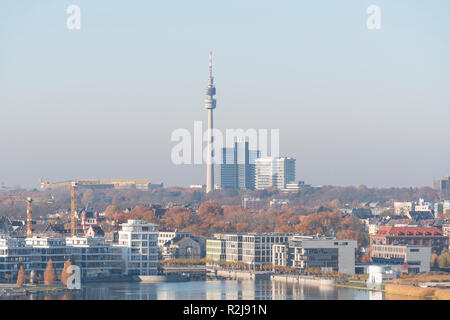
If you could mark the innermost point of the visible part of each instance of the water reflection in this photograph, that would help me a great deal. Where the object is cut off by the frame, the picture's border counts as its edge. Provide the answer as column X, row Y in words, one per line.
column 212, row 290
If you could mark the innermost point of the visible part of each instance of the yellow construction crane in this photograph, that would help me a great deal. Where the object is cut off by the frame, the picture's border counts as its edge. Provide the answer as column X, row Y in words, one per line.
column 73, row 201
column 91, row 183
column 29, row 202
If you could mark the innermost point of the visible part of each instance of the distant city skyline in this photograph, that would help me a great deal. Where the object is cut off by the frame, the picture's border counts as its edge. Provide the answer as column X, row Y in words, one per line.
column 353, row 106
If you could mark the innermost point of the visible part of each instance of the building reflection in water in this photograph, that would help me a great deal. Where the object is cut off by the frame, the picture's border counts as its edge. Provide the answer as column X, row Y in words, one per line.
column 211, row 290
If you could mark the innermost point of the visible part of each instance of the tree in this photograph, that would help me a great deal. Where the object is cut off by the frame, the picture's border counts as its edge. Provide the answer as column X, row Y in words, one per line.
column 444, row 259
column 88, row 197
column 348, row 235
column 111, row 210
column 20, row 277
column 434, row 260
column 49, row 275
column 64, row 272
column 210, row 209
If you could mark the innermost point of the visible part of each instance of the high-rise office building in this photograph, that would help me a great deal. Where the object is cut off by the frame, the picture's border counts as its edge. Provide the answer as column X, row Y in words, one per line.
column 442, row 185
column 274, row 172
column 238, row 166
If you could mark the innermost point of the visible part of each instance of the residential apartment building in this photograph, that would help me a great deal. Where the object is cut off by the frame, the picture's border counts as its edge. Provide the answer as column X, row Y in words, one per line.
column 417, row 258
column 257, row 248
column 167, row 236
column 138, row 240
column 295, row 186
column 402, row 208
column 12, row 252
column 253, row 203
column 215, row 250
column 278, row 203
column 441, row 207
column 423, row 206
column 254, row 249
column 325, row 253
column 446, row 230
column 372, row 227
column 419, row 236
column 93, row 255
column 274, row 172
column 46, row 248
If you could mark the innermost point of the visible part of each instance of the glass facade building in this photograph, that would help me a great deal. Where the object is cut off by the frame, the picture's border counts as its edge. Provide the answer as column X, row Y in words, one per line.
column 238, row 166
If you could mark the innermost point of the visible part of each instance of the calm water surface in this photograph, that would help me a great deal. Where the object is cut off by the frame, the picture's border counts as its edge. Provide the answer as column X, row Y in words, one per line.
column 212, row 289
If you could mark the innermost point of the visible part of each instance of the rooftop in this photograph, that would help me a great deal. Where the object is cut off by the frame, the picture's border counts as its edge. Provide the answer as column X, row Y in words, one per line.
column 410, row 231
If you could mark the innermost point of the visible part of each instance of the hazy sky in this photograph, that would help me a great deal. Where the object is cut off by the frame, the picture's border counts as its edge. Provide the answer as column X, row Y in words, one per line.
column 354, row 106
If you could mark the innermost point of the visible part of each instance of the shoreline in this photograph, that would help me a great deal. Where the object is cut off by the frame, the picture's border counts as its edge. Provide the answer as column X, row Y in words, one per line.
column 13, row 291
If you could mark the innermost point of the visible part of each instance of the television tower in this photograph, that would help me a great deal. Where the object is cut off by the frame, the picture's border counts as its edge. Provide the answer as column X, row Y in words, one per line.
column 210, row 104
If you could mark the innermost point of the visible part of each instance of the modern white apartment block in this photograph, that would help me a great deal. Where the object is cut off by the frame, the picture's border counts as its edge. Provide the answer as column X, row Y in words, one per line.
column 423, row 205
column 323, row 253
column 138, row 240
column 215, row 250
column 94, row 256
column 278, row 203
column 402, row 208
column 254, row 249
column 45, row 249
column 12, row 252
column 274, row 172
column 257, row 248
column 417, row 258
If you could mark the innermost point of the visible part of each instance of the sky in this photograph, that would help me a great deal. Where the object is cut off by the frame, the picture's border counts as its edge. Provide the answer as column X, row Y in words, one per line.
column 353, row 106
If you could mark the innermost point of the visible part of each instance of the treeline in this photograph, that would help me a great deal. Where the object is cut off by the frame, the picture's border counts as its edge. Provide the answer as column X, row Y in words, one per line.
column 99, row 199
column 442, row 260
column 211, row 218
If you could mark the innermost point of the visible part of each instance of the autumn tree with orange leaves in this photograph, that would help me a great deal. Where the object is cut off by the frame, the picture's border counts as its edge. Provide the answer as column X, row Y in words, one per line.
column 49, row 275
column 64, row 273
column 178, row 218
column 20, row 277
column 139, row 212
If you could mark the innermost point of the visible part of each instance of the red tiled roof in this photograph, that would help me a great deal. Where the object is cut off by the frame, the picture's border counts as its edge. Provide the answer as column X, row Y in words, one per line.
column 410, row 231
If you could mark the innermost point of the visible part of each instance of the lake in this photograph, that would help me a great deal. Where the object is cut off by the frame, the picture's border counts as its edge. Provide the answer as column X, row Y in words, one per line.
column 210, row 290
